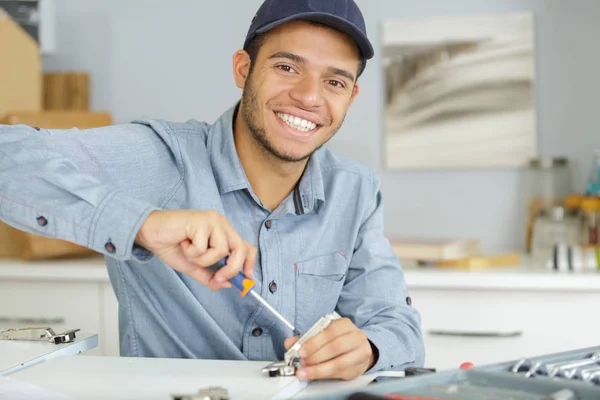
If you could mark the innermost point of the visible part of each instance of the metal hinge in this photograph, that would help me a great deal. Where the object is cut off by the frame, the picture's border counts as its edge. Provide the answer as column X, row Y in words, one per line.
column 38, row 334
column 211, row 393
column 291, row 361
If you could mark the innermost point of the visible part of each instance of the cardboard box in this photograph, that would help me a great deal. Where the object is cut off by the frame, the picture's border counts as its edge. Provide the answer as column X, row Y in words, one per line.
column 20, row 68
column 66, row 91
column 27, row 246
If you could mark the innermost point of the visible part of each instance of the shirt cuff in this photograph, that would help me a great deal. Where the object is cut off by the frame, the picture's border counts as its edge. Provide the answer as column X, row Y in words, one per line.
column 386, row 344
column 115, row 225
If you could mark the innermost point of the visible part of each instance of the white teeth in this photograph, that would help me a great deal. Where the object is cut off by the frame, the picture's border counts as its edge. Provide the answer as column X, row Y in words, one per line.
column 297, row 123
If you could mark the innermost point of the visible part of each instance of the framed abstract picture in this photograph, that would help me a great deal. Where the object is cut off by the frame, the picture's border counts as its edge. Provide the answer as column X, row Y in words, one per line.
column 459, row 92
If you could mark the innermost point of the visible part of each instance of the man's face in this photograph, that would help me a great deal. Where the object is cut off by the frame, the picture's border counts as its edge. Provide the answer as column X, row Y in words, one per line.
column 299, row 90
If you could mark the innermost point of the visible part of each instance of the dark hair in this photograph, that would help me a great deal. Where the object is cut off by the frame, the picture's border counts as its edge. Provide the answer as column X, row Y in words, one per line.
column 255, row 44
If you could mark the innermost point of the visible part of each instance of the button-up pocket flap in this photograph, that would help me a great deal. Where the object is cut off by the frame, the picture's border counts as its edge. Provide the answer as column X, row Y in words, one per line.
column 330, row 266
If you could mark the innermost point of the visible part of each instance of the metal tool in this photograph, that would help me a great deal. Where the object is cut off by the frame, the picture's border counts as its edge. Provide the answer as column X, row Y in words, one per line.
column 245, row 286
column 570, row 369
column 38, row 334
column 589, row 374
column 291, row 359
column 211, row 393
column 564, row 369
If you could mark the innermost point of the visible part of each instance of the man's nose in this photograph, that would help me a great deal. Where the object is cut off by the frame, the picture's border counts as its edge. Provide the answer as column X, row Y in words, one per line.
column 308, row 91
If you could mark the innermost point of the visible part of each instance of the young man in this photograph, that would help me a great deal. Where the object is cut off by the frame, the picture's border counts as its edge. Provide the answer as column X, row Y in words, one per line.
column 165, row 200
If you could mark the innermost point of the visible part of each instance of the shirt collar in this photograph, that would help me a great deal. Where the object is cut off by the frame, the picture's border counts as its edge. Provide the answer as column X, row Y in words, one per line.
column 230, row 175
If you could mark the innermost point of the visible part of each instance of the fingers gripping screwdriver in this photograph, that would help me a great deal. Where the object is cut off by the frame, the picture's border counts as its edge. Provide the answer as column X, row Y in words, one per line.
column 245, row 286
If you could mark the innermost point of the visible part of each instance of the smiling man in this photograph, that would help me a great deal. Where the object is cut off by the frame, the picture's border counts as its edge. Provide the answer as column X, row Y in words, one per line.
column 163, row 201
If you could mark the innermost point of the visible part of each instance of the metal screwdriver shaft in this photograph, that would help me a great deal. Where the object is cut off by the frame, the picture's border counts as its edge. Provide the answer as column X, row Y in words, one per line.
column 245, row 286
column 274, row 311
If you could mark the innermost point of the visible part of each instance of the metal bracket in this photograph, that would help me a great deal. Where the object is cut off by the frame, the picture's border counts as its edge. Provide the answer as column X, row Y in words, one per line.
column 211, row 393
column 291, row 361
column 38, row 334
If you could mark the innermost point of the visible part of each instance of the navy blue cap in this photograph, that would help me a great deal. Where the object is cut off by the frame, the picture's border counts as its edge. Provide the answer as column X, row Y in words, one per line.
column 343, row 15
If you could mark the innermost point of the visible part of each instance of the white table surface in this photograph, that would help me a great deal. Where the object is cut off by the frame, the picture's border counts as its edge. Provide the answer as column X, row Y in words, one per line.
column 128, row 378
column 98, row 377
column 16, row 355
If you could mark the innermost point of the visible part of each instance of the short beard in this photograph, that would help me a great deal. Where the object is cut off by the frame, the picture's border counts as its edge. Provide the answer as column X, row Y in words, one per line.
column 249, row 112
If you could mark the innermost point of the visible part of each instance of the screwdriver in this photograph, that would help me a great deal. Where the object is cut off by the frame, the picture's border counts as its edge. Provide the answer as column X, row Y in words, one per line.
column 245, row 286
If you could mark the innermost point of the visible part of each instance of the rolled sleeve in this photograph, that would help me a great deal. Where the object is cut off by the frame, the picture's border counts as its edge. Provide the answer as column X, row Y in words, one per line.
column 115, row 226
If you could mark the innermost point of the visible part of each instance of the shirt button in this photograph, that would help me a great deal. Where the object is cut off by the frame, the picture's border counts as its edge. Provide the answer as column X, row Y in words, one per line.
column 268, row 224
column 272, row 287
column 110, row 247
column 256, row 332
column 42, row 221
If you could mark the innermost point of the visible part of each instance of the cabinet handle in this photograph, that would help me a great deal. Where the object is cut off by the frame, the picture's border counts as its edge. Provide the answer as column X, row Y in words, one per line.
column 32, row 321
column 475, row 333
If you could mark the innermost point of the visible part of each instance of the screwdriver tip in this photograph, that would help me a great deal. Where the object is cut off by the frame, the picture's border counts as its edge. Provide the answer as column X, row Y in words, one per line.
column 297, row 332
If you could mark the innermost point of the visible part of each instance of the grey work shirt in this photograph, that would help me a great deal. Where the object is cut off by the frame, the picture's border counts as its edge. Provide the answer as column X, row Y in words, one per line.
column 322, row 249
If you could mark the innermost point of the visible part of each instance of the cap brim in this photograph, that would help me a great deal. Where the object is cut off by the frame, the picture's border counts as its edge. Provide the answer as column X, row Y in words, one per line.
column 363, row 43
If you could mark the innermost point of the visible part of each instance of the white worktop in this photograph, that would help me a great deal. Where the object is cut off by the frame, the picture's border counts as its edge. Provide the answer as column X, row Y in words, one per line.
column 523, row 277
column 79, row 269
column 124, row 378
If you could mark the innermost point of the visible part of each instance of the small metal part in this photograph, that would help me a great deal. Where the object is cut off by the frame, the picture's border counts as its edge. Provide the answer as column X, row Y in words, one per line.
column 211, row 393
column 521, row 366
column 38, row 334
column 563, row 394
column 588, row 374
column 527, row 367
column 291, row 360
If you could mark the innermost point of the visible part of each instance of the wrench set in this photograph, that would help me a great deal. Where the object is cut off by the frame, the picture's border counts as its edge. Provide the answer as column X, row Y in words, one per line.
column 586, row 369
column 572, row 375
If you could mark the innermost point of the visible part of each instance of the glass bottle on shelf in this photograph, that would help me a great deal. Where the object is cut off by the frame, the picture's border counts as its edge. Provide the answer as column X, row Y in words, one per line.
column 593, row 184
column 551, row 228
column 548, row 185
column 590, row 208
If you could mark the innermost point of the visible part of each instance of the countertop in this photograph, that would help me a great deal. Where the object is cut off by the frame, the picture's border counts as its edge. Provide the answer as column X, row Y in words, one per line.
column 526, row 276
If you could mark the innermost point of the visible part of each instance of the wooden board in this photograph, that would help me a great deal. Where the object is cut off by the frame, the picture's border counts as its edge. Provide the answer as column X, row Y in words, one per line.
column 58, row 119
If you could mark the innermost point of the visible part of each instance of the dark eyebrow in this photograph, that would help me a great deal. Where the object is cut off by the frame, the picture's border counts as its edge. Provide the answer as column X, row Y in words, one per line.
column 291, row 56
column 301, row 60
column 341, row 72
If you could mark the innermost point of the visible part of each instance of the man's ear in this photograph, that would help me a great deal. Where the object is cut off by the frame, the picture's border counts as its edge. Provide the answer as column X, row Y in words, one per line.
column 241, row 67
column 355, row 91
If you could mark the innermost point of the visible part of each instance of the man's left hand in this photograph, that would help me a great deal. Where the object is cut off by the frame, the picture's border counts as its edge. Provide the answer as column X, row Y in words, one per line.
column 341, row 351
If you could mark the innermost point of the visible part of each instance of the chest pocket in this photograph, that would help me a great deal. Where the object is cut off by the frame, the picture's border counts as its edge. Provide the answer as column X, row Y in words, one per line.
column 319, row 282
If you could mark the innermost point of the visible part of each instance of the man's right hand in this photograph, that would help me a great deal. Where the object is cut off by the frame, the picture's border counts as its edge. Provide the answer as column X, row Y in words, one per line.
column 189, row 241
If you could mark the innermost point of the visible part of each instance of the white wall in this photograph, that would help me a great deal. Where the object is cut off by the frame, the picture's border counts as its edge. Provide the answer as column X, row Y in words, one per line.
column 172, row 59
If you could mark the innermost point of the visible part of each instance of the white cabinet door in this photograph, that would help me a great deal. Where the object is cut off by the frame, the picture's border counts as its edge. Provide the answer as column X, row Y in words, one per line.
column 545, row 322
column 58, row 305
column 109, row 336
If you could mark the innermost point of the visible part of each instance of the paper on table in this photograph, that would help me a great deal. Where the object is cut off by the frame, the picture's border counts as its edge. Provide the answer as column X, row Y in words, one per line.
column 16, row 390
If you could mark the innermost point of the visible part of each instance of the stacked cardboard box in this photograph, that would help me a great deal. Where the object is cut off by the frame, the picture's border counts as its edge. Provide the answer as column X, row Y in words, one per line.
column 20, row 68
